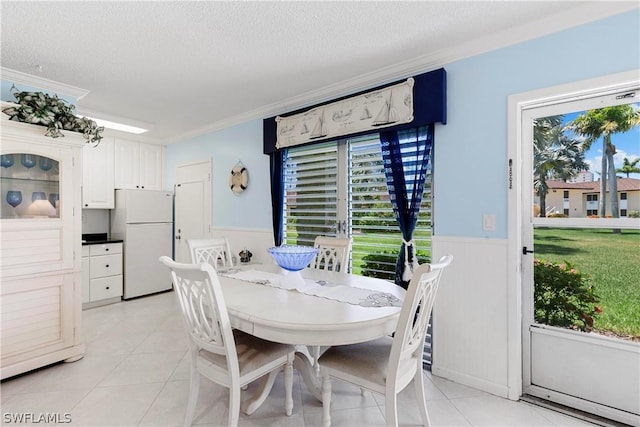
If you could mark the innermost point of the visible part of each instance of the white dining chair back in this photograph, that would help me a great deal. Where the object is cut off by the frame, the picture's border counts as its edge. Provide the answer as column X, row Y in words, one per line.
column 389, row 364
column 227, row 357
column 215, row 251
column 333, row 253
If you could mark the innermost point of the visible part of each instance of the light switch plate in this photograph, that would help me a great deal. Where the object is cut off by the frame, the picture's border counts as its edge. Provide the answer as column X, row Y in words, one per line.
column 489, row 222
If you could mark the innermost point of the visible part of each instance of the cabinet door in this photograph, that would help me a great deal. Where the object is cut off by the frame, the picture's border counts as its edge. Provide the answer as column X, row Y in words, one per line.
column 127, row 164
column 151, row 166
column 37, row 316
column 98, row 175
column 35, row 236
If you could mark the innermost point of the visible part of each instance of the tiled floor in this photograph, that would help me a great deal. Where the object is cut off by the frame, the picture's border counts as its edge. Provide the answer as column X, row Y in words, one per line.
column 135, row 373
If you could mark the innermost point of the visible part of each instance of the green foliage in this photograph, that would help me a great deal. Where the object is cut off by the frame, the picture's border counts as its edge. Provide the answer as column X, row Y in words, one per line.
column 633, row 214
column 56, row 114
column 612, row 262
column 563, row 296
column 382, row 265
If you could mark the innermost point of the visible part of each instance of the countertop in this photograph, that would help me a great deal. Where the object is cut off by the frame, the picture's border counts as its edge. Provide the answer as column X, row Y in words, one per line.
column 100, row 242
column 97, row 239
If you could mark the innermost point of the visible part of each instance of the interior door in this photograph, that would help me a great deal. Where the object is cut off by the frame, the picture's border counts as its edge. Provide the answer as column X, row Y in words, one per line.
column 192, row 206
column 595, row 371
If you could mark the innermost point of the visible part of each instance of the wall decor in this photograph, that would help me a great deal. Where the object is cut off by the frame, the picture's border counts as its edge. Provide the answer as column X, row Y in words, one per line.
column 380, row 108
column 239, row 178
column 56, row 114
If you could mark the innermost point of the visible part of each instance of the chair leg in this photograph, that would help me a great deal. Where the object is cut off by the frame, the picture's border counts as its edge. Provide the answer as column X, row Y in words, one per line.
column 194, row 388
column 326, row 401
column 234, row 406
column 288, row 385
column 391, row 409
column 418, row 383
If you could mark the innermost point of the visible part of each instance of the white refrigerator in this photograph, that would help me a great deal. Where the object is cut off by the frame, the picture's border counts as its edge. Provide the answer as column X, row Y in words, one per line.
column 143, row 219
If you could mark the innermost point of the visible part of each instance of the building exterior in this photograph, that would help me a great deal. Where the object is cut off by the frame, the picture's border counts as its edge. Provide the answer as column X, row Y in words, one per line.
column 582, row 176
column 580, row 199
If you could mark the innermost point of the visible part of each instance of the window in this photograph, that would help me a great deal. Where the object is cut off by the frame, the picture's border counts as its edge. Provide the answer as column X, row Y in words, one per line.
column 339, row 189
column 566, row 212
column 623, row 212
column 592, row 197
column 565, row 194
column 623, row 196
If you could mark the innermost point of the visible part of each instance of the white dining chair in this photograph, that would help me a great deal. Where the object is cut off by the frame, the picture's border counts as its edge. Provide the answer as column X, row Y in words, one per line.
column 227, row 357
column 333, row 253
column 215, row 251
column 387, row 365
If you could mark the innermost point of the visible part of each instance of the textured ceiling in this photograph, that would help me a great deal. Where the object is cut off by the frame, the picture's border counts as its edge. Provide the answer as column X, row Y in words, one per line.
column 188, row 67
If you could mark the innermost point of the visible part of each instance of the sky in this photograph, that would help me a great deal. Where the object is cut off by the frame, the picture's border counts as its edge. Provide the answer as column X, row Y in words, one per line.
column 627, row 145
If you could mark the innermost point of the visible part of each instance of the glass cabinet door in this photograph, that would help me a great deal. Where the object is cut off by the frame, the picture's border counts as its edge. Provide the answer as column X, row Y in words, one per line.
column 29, row 185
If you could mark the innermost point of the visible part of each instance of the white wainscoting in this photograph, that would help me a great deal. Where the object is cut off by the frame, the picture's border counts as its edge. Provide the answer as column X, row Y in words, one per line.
column 470, row 333
column 257, row 241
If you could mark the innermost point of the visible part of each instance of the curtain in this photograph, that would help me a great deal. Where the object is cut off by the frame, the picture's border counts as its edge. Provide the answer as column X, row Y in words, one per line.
column 276, row 164
column 405, row 175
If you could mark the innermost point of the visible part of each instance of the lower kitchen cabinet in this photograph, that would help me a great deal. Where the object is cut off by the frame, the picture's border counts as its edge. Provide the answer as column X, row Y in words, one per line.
column 101, row 274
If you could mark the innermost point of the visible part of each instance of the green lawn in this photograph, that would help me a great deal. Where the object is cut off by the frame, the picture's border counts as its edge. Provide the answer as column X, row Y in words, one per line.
column 613, row 263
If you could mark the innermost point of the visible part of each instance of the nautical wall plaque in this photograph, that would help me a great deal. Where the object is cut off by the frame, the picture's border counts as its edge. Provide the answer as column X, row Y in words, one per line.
column 381, row 108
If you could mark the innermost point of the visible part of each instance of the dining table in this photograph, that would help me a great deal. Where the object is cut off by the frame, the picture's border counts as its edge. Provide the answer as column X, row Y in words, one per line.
column 310, row 309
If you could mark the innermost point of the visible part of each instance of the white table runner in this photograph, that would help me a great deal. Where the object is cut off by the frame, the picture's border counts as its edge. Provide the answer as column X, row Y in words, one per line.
column 293, row 281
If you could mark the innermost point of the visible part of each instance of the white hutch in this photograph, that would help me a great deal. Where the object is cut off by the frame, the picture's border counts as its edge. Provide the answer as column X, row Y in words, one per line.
column 40, row 247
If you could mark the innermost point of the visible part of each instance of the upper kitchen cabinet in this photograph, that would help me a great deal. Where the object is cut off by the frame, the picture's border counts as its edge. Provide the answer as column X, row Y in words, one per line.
column 98, row 175
column 138, row 165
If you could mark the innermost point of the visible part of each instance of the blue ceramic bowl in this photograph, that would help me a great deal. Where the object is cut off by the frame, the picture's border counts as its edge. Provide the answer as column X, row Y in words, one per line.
column 293, row 257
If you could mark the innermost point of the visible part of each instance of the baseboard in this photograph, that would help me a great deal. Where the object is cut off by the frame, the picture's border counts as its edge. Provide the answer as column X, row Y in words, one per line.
column 477, row 383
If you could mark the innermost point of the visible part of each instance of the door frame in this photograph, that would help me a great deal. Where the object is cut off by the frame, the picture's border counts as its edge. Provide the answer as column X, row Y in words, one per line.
column 517, row 104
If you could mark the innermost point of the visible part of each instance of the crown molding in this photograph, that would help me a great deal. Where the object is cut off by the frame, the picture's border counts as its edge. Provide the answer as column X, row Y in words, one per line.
column 42, row 83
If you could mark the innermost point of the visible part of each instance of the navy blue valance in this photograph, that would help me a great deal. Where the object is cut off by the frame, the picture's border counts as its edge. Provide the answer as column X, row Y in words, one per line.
column 430, row 106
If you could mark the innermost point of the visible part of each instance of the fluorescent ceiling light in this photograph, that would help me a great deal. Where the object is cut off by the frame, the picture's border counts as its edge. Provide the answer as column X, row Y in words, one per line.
column 118, row 126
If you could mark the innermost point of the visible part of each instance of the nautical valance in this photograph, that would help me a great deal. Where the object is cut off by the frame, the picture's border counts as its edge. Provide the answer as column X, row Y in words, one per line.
column 416, row 101
column 377, row 109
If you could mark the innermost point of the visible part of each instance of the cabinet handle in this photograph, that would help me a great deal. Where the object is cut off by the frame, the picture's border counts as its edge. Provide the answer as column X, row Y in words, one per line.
column 106, row 249
column 107, row 288
column 107, row 266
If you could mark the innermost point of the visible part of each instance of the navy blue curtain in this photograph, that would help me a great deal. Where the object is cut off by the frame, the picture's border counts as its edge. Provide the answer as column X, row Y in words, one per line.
column 405, row 156
column 276, row 168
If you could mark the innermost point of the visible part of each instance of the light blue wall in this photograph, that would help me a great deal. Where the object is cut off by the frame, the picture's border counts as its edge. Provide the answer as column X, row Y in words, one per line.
column 250, row 209
column 471, row 150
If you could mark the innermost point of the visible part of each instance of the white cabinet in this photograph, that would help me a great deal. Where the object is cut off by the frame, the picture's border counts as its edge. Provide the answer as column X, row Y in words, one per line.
column 86, row 277
column 40, row 233
column 103, row 273
column 138, row 165
column 98, row 175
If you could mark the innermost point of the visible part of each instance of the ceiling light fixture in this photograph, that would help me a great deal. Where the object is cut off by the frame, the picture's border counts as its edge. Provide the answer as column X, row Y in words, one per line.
column 118, row 126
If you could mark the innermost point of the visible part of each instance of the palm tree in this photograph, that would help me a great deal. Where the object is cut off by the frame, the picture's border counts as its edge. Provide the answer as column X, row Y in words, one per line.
column 605, row 122
column 629, row 166
column 556, row 156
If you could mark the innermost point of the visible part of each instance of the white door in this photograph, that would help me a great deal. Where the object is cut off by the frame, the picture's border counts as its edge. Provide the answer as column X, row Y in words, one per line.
column 589, row 371
column 192, row 206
